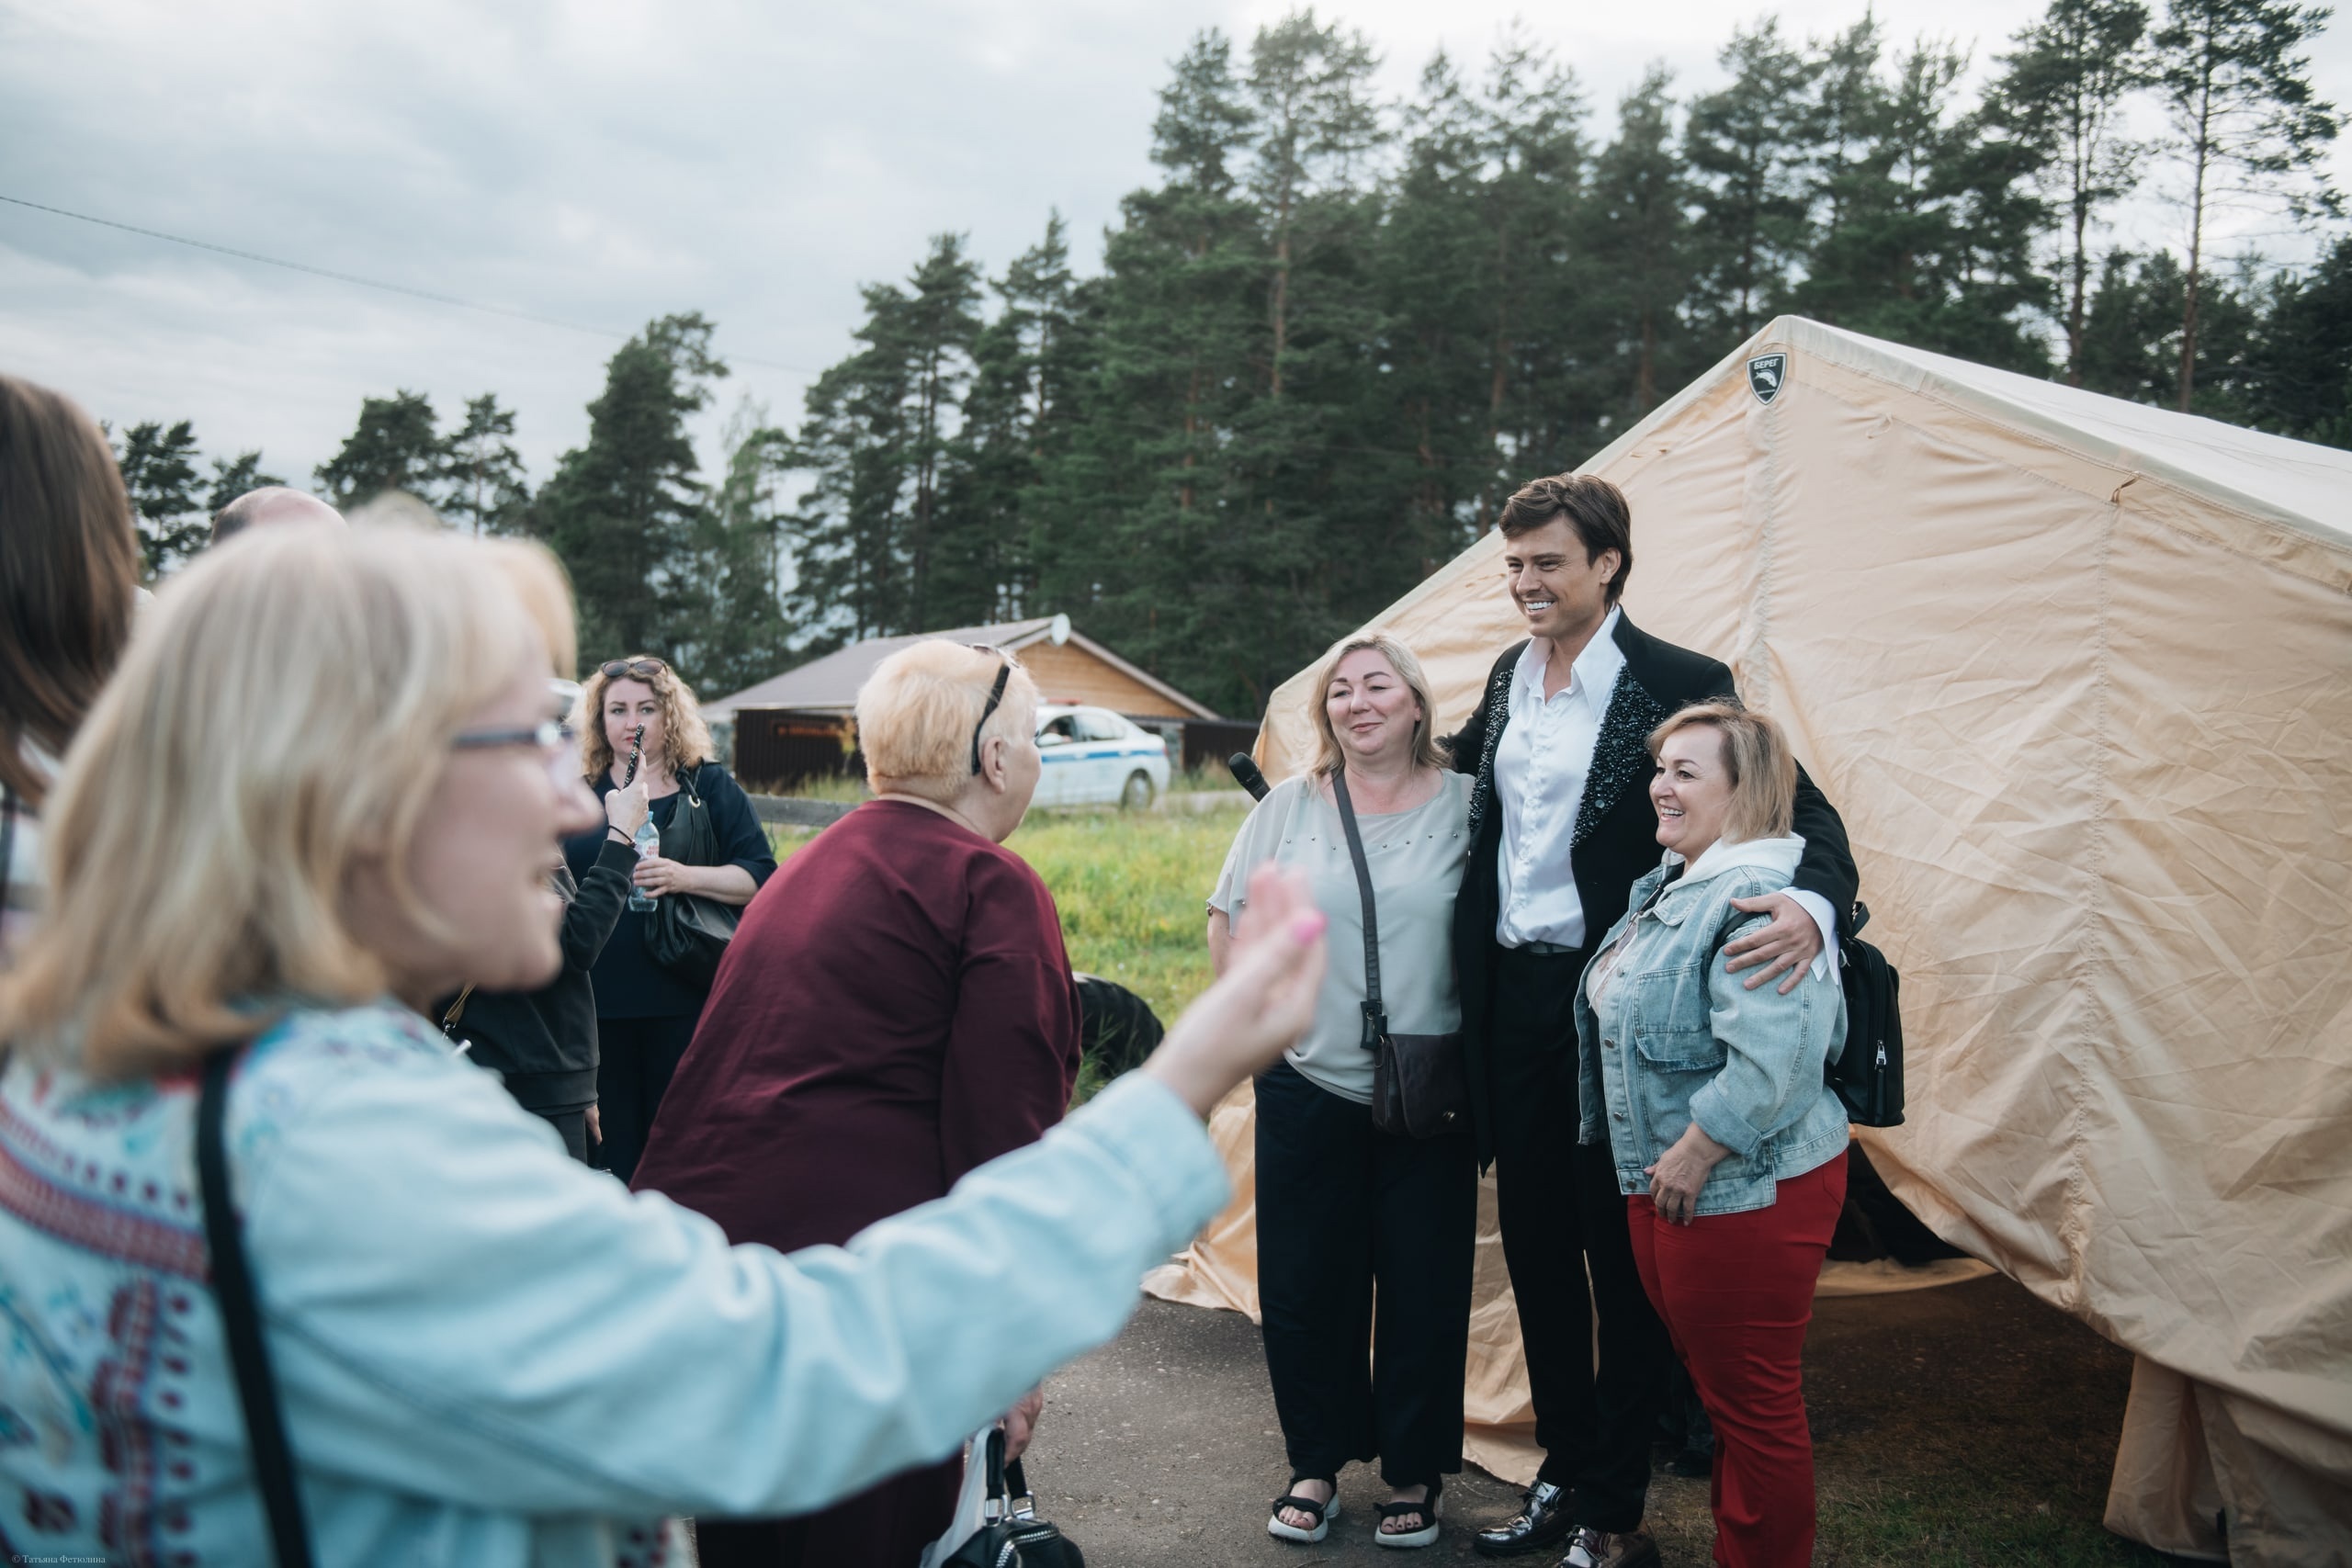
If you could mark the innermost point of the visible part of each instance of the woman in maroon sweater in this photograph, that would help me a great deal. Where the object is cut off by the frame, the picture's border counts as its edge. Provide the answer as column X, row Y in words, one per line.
column 896, row 1009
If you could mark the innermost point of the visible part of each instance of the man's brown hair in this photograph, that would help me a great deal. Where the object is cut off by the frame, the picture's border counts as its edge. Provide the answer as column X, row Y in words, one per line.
column 69, row 572
column 1592, row 506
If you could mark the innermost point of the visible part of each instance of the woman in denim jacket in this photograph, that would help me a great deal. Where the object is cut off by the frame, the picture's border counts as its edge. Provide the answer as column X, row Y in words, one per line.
column 1728, row 1145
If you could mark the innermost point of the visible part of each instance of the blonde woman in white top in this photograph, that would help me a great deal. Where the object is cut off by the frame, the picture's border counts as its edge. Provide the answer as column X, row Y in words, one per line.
column 1343, row 1208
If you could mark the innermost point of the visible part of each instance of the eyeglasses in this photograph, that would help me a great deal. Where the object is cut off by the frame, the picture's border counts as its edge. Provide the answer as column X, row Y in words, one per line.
column 996, row 696
column 552, row 736
column 641, row 669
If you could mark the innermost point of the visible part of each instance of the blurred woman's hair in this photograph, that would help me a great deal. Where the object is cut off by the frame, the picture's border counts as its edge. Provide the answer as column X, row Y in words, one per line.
column 282, row 717
column 1428, row 750
column 917, row 712
column 1756, row 754
column 69, row 576
column 688, row 742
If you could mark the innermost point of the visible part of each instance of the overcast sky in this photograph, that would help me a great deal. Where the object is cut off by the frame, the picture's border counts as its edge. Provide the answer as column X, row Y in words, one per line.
column 607, row 162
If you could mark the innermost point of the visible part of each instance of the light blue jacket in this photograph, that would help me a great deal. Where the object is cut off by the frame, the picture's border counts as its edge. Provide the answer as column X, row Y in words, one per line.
column 1682, row 1040
column 489, row 1355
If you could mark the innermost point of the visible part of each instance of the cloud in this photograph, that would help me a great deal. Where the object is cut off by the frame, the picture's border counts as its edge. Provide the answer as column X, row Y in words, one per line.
column 605, row 163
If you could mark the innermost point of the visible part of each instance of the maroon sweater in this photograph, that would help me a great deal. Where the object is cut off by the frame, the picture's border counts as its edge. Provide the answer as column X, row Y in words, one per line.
column 895, row 1010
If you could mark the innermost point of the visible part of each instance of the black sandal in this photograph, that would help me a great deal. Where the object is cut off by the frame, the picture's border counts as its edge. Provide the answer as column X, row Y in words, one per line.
column 1426, row 1510
column 1324, row 1513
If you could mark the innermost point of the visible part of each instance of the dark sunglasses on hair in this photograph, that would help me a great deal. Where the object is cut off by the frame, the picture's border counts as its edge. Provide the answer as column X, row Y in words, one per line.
column 641, row 669
column 996, row 696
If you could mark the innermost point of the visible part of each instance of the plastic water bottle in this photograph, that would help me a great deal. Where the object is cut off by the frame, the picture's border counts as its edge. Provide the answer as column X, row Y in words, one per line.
column 648, row 840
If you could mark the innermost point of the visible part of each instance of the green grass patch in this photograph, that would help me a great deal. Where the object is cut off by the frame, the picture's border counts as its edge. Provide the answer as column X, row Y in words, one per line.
column 1132, row 889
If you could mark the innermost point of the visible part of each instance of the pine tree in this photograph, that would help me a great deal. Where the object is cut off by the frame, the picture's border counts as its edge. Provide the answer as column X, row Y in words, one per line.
column 1745, row 145
column 2064, row 90
column 2303, row 382
column 483, row 483
column 2245, row 121
column 1639, row 209
column 879, row 436
column 743, row 640
column 623, row 512
column 394, row 447
column 233, row 477
column 1128, row 518
column 158, row 465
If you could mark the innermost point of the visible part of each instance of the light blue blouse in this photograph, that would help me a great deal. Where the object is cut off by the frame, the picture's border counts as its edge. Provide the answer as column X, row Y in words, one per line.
column 489, row 1355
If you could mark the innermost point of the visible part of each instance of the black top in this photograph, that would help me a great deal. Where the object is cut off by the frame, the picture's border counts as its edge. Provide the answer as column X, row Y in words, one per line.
column 629, row 983
column 1615, row 842
column 543, row 1042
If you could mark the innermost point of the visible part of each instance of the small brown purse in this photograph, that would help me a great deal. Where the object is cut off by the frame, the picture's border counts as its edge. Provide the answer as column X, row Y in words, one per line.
column 1418, row 1086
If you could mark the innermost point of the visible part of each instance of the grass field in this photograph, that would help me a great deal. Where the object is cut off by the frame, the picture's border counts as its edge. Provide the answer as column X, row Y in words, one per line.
column 1131, row 886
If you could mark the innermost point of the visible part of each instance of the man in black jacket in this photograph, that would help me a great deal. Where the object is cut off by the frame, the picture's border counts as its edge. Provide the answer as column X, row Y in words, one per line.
column 542, row 1044
column 1560, row 827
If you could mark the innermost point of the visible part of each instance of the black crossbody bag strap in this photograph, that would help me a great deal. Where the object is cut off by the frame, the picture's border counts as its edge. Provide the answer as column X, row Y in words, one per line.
column 1376, row 1016
column 241, row 1321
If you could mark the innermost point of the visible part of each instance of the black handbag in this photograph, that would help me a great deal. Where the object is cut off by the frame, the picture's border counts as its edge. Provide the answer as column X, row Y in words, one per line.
column 1420, row 1089
column 687, row 934
column 1014, row 1537
column 1868, row 1074
column 232, row 1285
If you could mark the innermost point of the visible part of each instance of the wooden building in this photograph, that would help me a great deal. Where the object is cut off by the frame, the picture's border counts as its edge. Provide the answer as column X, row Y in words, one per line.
column 796, row 724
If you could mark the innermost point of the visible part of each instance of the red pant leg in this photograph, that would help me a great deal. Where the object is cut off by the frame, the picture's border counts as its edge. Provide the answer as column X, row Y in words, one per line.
column 1737, row 1293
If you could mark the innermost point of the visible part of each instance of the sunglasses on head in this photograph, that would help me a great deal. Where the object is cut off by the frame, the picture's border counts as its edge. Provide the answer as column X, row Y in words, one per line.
column 641, row 669
column 996, row 696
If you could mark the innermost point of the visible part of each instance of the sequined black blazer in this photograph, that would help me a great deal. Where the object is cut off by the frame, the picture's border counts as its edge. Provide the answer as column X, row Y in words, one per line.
column 1615, row 842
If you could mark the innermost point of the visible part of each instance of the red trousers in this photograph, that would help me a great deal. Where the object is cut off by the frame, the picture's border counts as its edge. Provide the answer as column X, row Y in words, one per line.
column 1737, row 1293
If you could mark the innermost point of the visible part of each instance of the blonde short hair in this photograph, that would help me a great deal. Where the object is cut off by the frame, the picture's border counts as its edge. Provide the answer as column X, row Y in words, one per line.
column 282, row 716
column 1755, row 753
column 915, row 716
column 1428, row 750
column 686, row 738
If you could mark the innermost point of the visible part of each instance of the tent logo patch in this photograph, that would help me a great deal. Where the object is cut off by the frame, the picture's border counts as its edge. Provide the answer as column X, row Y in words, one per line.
column 1765, row 374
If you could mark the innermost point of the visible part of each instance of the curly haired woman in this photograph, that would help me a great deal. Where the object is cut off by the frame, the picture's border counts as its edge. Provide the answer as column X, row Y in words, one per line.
column 646, row 1013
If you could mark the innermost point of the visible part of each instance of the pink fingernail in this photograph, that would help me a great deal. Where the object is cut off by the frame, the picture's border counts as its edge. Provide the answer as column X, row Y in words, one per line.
column 1307, row 927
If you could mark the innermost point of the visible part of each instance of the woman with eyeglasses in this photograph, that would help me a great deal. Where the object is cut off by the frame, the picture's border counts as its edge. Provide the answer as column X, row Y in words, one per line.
column 898, row 1011
column 481, row 1353
column 645, row 1011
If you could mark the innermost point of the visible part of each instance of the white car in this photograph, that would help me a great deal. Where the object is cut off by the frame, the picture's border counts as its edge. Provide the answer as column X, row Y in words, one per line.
column 1094, row 757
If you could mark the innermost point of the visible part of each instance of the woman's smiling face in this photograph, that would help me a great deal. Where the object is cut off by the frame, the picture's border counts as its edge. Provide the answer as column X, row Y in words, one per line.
column 1692, row 789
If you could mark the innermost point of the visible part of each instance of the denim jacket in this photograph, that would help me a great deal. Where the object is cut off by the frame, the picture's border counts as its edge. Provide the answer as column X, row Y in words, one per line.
column 488, row 1355
column 1682, row 1040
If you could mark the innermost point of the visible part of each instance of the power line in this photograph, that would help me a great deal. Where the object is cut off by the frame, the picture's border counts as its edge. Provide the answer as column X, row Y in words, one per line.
column 366, row 282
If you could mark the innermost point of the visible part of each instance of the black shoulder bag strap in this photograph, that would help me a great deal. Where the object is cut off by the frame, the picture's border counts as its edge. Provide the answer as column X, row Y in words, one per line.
column 241, row 1321
column 1376, row 1016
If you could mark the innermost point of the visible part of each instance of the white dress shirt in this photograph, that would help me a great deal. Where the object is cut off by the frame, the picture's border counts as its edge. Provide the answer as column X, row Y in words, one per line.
column 1541, row 765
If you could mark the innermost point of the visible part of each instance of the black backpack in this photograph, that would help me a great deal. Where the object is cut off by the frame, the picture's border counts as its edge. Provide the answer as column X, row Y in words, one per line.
column 1868, row 1074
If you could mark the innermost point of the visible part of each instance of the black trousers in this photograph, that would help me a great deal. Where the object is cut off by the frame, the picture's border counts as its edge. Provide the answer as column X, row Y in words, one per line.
column 1344, row 1211
column 1562, row 1216
column 634, row 1058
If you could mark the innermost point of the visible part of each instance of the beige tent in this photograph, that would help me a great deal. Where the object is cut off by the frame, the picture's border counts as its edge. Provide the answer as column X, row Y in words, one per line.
column 2078, row 673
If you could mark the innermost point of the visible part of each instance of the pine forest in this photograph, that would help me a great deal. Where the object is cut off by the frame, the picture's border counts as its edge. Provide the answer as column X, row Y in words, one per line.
column 1335, row 331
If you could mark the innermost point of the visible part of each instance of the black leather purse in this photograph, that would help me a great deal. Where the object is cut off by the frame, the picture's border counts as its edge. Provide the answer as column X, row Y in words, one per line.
column 1014, row 1537
column 687, row 934
column 1420, row 1089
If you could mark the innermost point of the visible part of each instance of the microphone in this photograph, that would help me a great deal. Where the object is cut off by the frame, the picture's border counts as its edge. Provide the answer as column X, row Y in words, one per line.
column 1246, row 774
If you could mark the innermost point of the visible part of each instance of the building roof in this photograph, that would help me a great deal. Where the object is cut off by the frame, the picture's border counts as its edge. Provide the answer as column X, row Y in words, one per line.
column 829, row 685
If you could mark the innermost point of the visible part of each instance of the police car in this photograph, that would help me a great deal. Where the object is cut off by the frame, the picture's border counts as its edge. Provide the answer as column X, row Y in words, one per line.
column 1094, row 757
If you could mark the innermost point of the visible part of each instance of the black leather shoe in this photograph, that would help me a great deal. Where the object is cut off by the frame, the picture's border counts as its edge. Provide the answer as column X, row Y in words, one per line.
column 1544, row 1521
